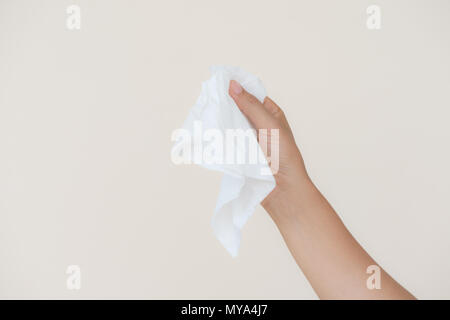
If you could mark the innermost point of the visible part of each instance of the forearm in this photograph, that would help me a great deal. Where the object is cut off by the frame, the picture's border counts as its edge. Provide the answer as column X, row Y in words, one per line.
column 334, row 263
column 331, row 259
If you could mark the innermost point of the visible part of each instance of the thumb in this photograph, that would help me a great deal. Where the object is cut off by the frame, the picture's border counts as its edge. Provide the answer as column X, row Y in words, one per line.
column 250, row 106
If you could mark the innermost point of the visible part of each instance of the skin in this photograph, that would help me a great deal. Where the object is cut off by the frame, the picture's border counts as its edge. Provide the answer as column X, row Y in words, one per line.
column 332, row 260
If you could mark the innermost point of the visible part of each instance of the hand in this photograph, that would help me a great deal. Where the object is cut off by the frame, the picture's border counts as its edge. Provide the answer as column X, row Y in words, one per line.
column 331, row 259
column 291, row 170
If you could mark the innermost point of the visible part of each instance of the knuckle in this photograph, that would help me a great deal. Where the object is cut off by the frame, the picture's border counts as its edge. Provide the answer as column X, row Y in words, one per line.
column 252, row 99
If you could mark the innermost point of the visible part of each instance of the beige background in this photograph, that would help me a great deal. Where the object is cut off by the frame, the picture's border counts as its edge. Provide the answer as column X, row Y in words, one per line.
column 86, row 118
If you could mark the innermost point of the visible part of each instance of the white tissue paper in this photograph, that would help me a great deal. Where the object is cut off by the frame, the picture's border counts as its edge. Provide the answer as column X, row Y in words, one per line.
column 243, row 186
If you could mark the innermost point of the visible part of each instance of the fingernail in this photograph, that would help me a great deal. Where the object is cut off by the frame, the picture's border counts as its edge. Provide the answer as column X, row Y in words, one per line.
column 236, row 88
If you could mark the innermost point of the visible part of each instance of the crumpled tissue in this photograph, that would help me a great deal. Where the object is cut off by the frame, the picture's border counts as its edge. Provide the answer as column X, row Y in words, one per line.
column 244, row 185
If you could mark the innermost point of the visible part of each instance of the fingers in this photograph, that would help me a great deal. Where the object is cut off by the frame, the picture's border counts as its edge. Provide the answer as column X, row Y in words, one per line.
column 272, row 107
column 250, row 106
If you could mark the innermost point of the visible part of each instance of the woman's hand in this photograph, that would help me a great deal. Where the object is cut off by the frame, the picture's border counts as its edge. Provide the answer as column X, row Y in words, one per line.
column 332, row 260
column 290, row 169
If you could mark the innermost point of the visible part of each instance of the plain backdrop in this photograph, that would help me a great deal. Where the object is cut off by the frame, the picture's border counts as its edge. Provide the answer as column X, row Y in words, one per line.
column 86, row 118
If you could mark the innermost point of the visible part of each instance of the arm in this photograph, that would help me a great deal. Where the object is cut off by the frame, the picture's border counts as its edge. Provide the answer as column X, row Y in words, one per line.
column 331, row 259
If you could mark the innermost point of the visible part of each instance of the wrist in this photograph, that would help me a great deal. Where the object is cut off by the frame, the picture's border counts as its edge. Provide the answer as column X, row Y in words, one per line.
column 285, row 202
